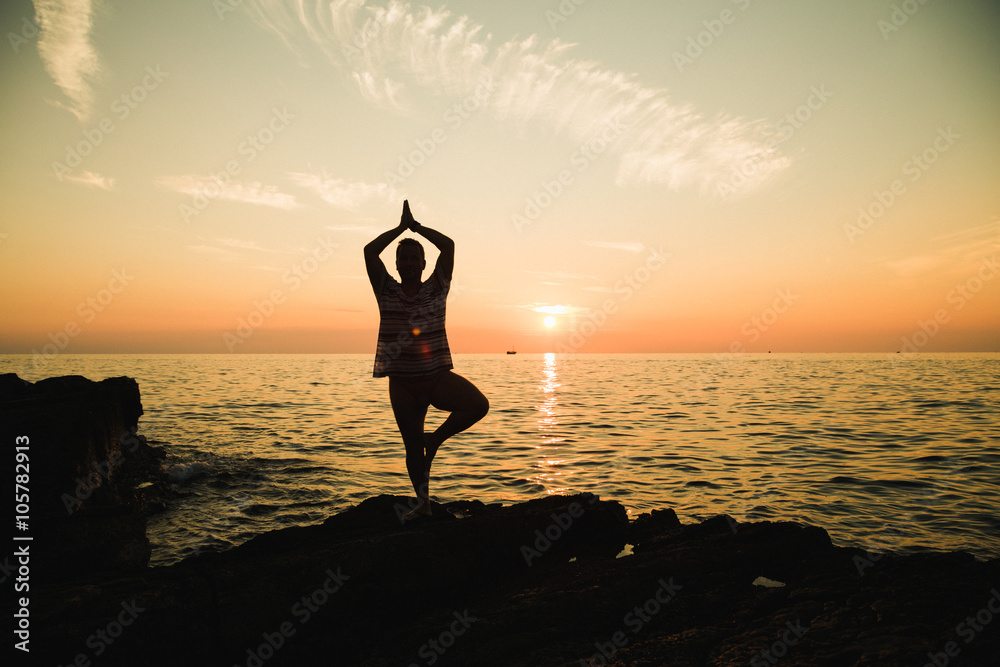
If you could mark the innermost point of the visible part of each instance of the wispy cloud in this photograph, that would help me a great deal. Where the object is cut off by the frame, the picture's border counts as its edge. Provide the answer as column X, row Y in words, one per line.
column 249, row 193
column 65, row 48
column 351, row 228
column 983, row 233
column 916, row 265
column 396, row 51
column 626, row 246
column 242, row 250
column 91, row 179
column 561, row 275
column 224, row 248
column 954, row 254
column 240, row 244
column 221, row 253
column 554, row 310
column 343, row 193
column 547, row 308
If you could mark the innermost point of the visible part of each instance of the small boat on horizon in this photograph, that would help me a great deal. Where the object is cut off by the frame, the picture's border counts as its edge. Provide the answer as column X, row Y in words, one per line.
column 511, row 350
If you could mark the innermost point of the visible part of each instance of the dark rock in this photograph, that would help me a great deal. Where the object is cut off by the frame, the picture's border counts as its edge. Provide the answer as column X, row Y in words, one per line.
column 364, row 589
column 86, row 463
column 653, row 524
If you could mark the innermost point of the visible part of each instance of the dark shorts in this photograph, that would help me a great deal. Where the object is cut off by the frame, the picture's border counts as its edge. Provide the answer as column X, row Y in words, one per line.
column 415, row 391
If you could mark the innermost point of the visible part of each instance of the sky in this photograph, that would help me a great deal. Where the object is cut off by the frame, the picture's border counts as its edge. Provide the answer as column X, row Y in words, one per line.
column 631, row 176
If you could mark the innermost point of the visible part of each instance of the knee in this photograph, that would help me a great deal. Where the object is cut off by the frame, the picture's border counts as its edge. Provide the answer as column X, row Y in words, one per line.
column 483, row 407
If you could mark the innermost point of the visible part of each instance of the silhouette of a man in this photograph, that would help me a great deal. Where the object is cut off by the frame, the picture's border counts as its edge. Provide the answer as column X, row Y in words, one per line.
column 413, row 349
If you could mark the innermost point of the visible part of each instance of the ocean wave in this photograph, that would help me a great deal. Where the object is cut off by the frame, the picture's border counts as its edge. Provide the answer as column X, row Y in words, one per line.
column 181, row 473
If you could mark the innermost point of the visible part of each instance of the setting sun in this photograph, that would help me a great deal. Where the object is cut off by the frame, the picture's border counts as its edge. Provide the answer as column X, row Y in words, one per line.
column 549, row 321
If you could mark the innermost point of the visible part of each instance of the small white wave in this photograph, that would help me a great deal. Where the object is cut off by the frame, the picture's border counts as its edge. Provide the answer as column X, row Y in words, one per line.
column 185, row 472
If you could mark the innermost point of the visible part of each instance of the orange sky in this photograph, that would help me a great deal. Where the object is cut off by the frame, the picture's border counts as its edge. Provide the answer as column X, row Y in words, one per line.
column 724, row 176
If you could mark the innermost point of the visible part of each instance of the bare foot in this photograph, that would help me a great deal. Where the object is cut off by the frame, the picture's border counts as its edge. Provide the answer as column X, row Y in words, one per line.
column 420, row 511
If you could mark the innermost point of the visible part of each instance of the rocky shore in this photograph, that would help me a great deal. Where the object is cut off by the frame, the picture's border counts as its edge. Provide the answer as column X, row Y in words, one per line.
column 86, row 470
column 554, row 581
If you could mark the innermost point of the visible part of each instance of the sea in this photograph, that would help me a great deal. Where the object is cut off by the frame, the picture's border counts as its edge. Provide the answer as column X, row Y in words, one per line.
column 892, row 453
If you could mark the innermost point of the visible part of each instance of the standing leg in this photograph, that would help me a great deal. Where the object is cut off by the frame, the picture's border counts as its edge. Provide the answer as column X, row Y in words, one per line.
column 410, row 412
column 467, row 405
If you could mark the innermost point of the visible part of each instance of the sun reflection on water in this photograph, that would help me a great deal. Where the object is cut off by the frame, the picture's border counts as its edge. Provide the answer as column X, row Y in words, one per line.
column 548, row 419
column 549, row 462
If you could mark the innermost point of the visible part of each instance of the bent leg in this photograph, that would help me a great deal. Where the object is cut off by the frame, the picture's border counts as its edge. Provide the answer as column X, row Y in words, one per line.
column 467, row 405
column 410, row 412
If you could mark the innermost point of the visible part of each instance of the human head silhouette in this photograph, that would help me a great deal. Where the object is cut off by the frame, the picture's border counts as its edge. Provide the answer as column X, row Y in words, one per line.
column 410, row 262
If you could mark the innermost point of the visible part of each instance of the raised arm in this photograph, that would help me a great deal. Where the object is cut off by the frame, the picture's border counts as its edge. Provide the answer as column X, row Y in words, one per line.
column 446, row 259
column 373, row 251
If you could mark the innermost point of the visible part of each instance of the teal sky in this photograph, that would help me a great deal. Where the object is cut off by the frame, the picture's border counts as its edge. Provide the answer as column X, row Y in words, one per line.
column 656, row 176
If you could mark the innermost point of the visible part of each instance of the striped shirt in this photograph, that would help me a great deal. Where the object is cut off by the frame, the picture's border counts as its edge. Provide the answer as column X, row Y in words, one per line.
column 411, row 335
